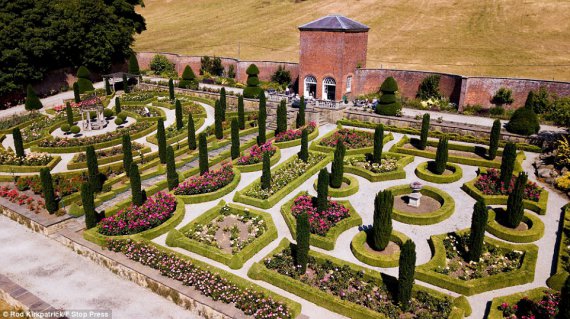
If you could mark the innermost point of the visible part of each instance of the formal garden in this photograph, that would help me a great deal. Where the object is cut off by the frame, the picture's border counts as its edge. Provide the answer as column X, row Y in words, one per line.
column 352, row 218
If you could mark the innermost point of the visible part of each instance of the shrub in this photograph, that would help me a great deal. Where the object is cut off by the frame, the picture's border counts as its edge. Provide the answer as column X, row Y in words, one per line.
column 539, row 101
column 281, row 117
column 171, row 89
column 122, row 115
column 160, row 64
column 108, row 113
column 503, row 96
column 494, row 139
column 171, row 174
column 524, row 121
column 65, row 127
column 69, row 114
column 203, row 153
column 304, row 152
column 382, row 226
column 441, row 156
column 515, row 207
column 252, row 90
column 281, row 75
column 117, row 106
column 218, row 121
column 323, row 190
column 406, row 273
column 47, row 190
column 126, row 84
column 424, row 132
column 508, row 162
column 75, row 129
column 266, row 172
column 378, row 144
column 119, row 121
column 83, row 81
column 161, row 138
column 388, row 104
column 32, row 101
column 300, row 120
column 231, row 71
column 478, row 226
column 497, row 111
column 261, row 119
column 303, row 237
column 191, row 133
column 241, row 113
column 188, row 77
column 18, row 142
column 564, row 305
column 337, row 168
column 134, row 65
column 136, row 190
column 76, row 94
column 223, row 103
column 107, row 87
column 429, row 88
column 560, row 113
column 178, row 113
column 88, row 202
column 127, row 153
column 93, row 169
column 235, row 139
column 211, row 65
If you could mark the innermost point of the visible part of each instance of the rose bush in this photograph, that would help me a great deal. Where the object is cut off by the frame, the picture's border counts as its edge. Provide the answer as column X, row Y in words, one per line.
column 320, row 222
column 107, row 152
column 351, row 138
column 22, row 199
column 31, row 159
column 256, row 154
column 490, row 184
column 290, row 135
column 545, row 308
column 207, row 183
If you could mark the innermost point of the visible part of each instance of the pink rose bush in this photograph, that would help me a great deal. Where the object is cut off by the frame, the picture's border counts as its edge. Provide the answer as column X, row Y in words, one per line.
column 21, row 199
column 323, row 221
column 290, row 135
column 135, row 219
column 545, row 308
column 256, row 154
column 207, row 183
column 490, row 184
column 351, row 138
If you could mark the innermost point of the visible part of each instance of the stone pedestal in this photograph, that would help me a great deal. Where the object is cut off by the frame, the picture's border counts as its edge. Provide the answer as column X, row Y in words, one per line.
column 414, row 199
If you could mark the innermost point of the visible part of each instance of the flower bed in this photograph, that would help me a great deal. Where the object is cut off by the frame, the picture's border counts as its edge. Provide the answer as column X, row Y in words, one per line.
column 140, row 110
column 388, row 164
column 8, row 123
column 137, row 97
column 34, row 205
column 536, row 303
column 107, row 152
column 256, row 153
column 252, row 300
column 135, row 219
column 39, row 129
column 291, row 135
column 351, row 138
column 31, row 159
column 63, row 184
column 489, row 183
column 358, row 165
column 207, row 183
column 320, row 222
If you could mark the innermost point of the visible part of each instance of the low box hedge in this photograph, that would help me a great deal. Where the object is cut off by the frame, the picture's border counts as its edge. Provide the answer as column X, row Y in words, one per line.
column 258, row 166
column 74, row 164
column 207, row 197
column 537, row 207
column 350, row 189
column 280, row 194
column 325, row 242
column 374, row 259
column 523, row 275
column 399, row 173
column 29, row 169
column 534, row 233
column 445, row 211
column 296, row 142
column 533, row 294
column 423, row 172
column 313, row 294
column 176, row 238
column 315, row 146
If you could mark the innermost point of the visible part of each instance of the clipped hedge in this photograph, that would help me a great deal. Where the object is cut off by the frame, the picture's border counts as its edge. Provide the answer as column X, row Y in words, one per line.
column 280, row 194
column 399, row 173
column 22, row 125
column 325, row 242
column 176, row 238
column 183, row 135
column 313, row 294
column 296, row 142
column 201, row 198
column 523, row 275
column 29, row 169
column 73, row 164
column 534, row 233
column 326, row 149
column 533, row 294
column 375, row 259
column 257, row 166
column 423, row 172
column 445, row 211
column 351, row 189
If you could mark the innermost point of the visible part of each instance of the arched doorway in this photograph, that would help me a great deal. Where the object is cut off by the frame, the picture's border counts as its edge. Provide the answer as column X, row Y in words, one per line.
column 310, row 86
column 329, row 89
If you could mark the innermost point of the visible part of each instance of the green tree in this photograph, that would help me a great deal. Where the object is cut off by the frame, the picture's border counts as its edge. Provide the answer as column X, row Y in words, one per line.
column 478, row 226
column 93, row 169
column 388, row 104
column 126, row 84
column 494, row 139
column 524, row 121
column 218, row 121
column 117, row 105
column 33, row 103
column 161, row 138
column 304, row 153
column 179, row 117
column 406, row 273
column 47, row 190
column 281, row 117
column 191, row 133
column 171, row 89
column 107, row 87
column 235, row 139
column 188, row 77
column 203, row 153
column 515, row 207
column 18, row 142
column 134, row 65
column 83, row 80
column 136, row 190
column 127, row 153
column 382, row 226
column 266, row 172
column 378, row 144
column 223, row 103
column 261, row 120
column 88, row 202
column 241, row 113
column 337, row 168
column 508, row 163
column 429, row 88
column 69, row 114
column 160, row 65
column 303, row 246
column 564, row 304
column 281, row 76
column 323, row 190
column 76, row 94
column 503, row 96
column 300, row 120
column 441, row 156
column 171, row 174
column 425, row 132
column 252, row 90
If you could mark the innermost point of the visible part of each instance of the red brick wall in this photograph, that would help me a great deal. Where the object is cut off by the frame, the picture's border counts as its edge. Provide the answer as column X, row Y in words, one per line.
column 266, row 69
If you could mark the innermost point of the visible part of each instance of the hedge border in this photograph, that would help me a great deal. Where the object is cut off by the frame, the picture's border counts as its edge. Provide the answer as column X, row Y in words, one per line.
column 399, row 173
column 208, row 197
column 537, row 207
column 72, row 165
column 534, row 233
column 424, row 173
column 444, row 212
column 352, row 188
column 325, row 242
column 176, row 238
column 21, row 125
column 376, row 260
column 297, row 142
column 533, row 294
column 313, row 294
column 280, row 194
column 29, row 169
column 258, row 166
column 326, row 149
column 556, row 281
column 523, row 275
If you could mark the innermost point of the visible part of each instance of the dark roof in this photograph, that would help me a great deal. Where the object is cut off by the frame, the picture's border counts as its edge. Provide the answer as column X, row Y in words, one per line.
column 336, row 23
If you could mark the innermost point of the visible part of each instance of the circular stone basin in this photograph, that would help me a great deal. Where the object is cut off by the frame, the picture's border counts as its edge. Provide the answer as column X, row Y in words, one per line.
column 530, row 229
column 435, row 206
column 452, row 173
column 389, row 257
column 349, row 187
column 110, row 126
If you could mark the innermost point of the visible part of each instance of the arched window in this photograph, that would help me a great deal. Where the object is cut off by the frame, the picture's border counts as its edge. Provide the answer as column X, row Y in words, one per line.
column 349, row 84
column 310, row 86
column 329, row 89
